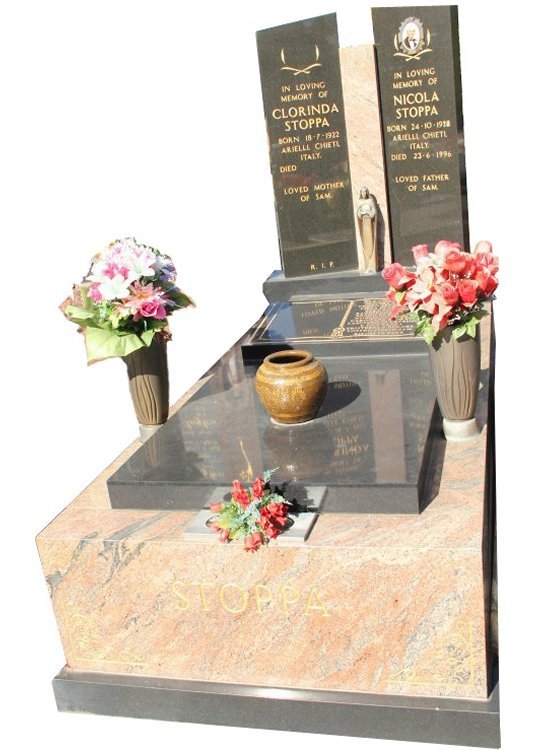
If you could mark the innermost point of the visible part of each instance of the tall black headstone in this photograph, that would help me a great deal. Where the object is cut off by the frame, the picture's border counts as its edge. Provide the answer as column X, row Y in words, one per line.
column 420, row 95
column 305, row 120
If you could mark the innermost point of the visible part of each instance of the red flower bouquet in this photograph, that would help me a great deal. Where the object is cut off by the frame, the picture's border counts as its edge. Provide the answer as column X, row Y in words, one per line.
column 447, row 288
column 256, row 514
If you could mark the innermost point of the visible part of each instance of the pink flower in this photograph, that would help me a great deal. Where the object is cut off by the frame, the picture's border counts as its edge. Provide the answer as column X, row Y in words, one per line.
column 444, row 246
column 468, row 291
column 420, row 252
column 451, row 256
column 483, row 246
column 487, row 283
column 399, row 307
column 396, row 276
column 486, row 258
column 448, row 292
column 94, row 293
column 147, row 302
column 152, row 308
column 440, row 321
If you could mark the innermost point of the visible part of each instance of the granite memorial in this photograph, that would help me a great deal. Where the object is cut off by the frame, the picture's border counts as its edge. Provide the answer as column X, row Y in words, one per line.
column 374, row 603
column 422, row 119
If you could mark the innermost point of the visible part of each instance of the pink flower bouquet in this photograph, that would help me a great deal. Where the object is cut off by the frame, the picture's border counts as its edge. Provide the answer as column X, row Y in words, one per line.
column 125, row 299
column 447, row 288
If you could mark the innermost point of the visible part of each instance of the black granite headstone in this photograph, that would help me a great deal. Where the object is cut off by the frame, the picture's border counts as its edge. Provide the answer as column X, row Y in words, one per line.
column 305, row 120
column 420, row 96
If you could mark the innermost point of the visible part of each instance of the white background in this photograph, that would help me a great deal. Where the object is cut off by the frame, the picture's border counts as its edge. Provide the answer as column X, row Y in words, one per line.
column 145, row 118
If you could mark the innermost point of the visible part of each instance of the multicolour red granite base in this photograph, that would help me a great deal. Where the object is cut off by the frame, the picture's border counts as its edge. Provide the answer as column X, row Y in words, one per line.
column 370, row 603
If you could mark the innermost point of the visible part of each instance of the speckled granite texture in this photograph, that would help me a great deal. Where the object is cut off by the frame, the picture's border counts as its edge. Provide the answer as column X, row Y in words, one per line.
column 371, row 603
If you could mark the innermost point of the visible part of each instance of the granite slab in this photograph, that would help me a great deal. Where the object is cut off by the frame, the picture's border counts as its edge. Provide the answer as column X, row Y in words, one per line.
column 379, row 604
column 374, row 447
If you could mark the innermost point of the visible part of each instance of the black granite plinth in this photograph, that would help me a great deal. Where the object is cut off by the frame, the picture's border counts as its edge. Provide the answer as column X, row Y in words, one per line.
column 370, row 446
column 441, row 720
column 279, row 288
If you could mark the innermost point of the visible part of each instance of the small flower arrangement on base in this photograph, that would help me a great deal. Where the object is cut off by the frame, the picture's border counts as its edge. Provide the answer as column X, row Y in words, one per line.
column 125, row 299
column 448, row 287
column 256, row 515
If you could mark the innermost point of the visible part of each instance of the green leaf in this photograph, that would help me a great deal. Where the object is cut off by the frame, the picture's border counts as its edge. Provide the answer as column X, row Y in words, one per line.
column 102, row 344
column 459, row 331
column 180, row 299
column 472, row 326
column 80, row 314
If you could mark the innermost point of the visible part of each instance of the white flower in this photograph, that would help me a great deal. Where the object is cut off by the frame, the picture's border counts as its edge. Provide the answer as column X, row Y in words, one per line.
column 140, row 262
column 115, row 288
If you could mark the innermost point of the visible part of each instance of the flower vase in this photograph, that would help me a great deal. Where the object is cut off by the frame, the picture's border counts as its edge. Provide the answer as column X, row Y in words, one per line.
column 149, row 385
column 455, row 364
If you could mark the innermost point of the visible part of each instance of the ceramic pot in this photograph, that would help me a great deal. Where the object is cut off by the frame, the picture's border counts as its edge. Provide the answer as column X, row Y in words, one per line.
column 455, row 364
column 291, row 385
column 149, row 384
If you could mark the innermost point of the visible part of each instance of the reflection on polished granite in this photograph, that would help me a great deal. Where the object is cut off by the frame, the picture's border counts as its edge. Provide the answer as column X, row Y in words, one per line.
column 375, row 433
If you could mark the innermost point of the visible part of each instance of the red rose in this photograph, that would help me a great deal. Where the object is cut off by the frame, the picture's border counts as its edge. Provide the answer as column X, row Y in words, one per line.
column 240, row 494
column 253, row 542
column 271, row 531
column 258, row 488
column 468, row 291
column 216, row 507
column 448, row 292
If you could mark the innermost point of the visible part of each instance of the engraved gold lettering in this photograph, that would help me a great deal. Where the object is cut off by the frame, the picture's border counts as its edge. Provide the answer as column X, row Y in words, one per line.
column 184, row 602
column 228, row 607
column 202, row 594
column 286, row 593
column 315, row 603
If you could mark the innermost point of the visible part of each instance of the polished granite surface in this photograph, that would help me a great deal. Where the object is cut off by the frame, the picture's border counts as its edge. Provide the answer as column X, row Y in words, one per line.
column 375, row 433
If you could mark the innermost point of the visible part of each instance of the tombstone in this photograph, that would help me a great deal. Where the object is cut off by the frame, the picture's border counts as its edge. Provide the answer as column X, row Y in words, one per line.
column 372, row 605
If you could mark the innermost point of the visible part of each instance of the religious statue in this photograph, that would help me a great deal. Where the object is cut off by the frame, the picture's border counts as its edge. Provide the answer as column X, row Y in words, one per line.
column 367, row 220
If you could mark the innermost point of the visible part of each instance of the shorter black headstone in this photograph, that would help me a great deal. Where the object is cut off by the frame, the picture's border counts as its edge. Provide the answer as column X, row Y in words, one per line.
column 420, row 95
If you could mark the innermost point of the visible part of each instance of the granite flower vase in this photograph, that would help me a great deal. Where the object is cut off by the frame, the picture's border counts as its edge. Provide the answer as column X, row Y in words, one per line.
column 149, row 385
column 455, row 364
column 291, row 385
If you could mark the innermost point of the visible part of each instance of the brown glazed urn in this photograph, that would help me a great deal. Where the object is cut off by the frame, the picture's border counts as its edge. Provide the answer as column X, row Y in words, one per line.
column 455, row 364
column 291, row 385
column 149, row 384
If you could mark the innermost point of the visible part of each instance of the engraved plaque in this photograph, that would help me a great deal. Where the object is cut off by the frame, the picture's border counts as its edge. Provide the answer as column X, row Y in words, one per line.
column 420, row 95
column 332, row 321
column 303, row 105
